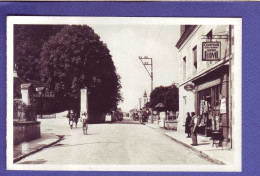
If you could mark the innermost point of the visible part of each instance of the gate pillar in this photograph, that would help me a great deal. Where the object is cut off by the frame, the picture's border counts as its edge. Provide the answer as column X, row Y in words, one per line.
column 83, row 101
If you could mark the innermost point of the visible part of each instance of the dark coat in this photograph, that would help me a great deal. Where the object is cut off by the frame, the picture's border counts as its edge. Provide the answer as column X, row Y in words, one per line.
column 187, row 124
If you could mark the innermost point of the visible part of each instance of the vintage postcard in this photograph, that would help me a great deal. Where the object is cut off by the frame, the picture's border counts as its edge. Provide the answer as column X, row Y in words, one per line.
column 124, row 93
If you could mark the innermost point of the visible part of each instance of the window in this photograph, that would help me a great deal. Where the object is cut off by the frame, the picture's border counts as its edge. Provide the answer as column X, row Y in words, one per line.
column 184, row 68
column 208, row 105
column 194, row 50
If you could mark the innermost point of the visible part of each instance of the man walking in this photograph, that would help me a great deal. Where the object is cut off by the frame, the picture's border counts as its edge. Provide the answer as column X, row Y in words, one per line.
column 194, row 126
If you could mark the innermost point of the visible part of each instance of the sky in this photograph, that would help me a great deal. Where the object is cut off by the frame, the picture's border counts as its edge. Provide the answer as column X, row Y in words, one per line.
column 127, row 42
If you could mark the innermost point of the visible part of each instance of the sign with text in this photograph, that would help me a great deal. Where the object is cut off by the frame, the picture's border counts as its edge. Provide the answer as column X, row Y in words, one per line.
column 223, row 106
column 211, row 51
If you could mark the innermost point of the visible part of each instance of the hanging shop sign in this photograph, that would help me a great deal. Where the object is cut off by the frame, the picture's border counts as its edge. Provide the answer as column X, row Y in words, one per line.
column 211, row 51
column 223, row 106
column 189, row 86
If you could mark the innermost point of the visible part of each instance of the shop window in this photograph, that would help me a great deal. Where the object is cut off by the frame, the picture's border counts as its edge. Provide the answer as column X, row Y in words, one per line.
column 209, row 108
column 184, row 68
column 194, row 50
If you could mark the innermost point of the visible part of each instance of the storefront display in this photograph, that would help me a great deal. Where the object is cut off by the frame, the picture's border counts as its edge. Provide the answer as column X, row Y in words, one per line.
column 208, row 109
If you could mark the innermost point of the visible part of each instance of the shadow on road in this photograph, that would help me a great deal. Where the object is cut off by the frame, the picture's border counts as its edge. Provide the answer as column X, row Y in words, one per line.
column 92, row 133
column 204, row 143
column 69, row 145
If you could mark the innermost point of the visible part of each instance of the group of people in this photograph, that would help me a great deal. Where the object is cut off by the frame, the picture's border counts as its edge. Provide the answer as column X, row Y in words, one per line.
column 74, row 117
column 191, row 127
column 142, row 116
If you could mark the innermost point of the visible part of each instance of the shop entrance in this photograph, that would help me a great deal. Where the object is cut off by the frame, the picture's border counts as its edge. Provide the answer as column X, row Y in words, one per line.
column 208, row 109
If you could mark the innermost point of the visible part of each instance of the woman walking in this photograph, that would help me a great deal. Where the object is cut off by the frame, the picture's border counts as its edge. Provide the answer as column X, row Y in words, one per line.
column 187, row 125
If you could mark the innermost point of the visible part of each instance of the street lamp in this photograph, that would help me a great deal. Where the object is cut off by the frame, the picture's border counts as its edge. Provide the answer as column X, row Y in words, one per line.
column 146, row 61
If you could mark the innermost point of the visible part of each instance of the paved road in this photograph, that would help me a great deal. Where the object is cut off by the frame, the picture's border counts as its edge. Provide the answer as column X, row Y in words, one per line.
column 112, row 144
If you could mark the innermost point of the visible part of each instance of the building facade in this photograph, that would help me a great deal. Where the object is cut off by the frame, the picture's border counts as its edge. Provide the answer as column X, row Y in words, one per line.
column 205, row 81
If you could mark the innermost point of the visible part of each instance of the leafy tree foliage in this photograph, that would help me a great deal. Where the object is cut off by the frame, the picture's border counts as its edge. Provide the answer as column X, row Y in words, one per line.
column 28, row 40
column 76, row 58
column 169, row 96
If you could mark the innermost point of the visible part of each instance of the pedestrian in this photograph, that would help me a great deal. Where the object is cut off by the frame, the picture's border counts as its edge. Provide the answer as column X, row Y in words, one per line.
column 71, row 118
column 76, row 118
column 194, row 128
column 84, row 119
column 187, row 125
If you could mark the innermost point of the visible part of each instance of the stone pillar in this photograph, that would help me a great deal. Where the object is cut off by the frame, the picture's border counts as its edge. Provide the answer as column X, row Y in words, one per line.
column 83, row 100
column 25, row 93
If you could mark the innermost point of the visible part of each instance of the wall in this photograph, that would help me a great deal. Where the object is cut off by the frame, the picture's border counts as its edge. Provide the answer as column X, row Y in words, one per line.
column 195, row 39
column 185, row 106
column 26, row 131
column 171, row 125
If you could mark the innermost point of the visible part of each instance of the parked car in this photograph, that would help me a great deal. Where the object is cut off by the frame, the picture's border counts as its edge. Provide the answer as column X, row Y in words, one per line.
column 108, row 118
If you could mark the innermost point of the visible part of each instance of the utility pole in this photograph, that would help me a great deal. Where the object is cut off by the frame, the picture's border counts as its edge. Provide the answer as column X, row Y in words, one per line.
column 146, row 63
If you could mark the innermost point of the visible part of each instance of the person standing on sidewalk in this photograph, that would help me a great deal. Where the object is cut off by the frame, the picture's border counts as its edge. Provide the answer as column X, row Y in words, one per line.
column 194, row 126
column 187, row 125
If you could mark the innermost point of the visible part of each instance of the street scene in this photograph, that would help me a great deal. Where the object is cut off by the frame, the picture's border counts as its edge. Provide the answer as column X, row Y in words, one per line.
column 122, row 92
column 118, row 143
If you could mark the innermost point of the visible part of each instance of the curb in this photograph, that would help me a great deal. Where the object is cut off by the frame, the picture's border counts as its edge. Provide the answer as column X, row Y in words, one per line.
column 203, row 154
column 151, row 126
column 37, row 150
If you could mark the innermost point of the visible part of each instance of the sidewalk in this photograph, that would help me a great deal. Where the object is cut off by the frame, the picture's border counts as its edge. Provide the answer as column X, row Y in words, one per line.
column 204, row 147
column 27, row 148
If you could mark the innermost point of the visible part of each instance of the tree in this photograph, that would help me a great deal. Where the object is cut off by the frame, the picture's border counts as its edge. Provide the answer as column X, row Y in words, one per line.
column 76, row 58
column 157, row 96
column 171, row 101
column 169, row 96
column 28, row 40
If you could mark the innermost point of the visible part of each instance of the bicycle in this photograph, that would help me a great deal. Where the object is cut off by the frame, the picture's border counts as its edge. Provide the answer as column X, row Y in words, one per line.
column 84, row 123
column 85, row 126
column 71, row 120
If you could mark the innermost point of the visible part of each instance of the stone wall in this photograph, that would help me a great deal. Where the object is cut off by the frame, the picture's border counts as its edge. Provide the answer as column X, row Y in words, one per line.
column 171, row 125
column 26, row 131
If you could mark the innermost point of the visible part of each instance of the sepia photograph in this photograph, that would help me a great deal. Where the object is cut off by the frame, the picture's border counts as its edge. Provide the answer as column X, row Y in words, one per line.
column 124, row 93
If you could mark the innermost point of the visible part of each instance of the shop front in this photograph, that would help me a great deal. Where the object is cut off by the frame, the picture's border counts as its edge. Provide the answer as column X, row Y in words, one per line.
column 211, row 103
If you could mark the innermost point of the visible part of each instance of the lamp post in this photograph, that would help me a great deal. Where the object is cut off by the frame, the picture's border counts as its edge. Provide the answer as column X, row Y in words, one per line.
column 148, row 62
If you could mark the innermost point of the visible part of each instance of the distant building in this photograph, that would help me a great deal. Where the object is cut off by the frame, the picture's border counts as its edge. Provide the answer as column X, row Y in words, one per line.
column 205, row 55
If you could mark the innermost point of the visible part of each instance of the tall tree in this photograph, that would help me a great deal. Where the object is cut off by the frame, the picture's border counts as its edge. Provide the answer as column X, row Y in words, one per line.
column 76, row 58
column 28, row 41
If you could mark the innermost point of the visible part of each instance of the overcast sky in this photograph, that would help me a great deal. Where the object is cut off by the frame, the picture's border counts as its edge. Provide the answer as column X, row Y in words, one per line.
column 127, row 42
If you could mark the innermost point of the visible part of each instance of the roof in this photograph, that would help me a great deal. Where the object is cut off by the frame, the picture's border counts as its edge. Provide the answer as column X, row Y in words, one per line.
column 160, row 107
column 185, row 35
